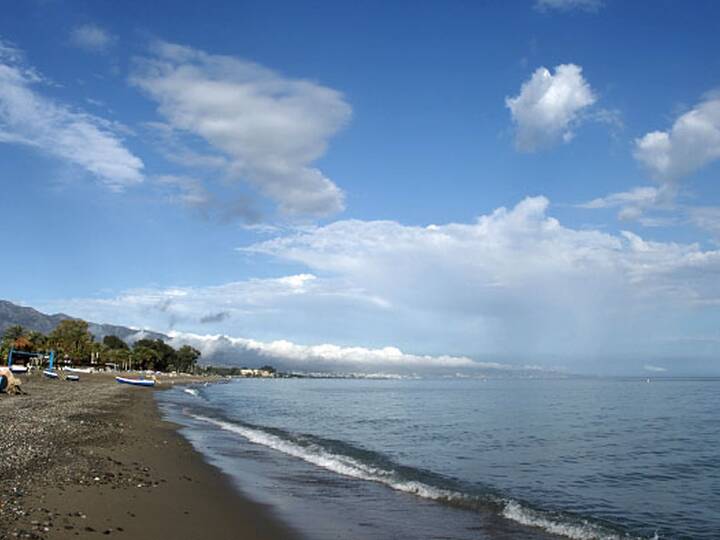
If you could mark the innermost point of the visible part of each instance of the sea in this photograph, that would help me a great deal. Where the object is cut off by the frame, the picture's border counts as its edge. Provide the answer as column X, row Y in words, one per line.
column 461, row 459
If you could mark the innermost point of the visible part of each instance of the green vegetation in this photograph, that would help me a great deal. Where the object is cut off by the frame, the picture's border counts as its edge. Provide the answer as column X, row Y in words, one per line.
column 73, row 343
column 71, row 339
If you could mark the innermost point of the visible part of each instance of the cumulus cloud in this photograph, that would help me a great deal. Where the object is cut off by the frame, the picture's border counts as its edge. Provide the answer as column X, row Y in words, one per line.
column 692, row 142
column 515, row 279
column 513, row 282
column 549, row 106
column 91, row 37
column 569, row 5
column 269, row 128
column 31, row 119
column 514, row 286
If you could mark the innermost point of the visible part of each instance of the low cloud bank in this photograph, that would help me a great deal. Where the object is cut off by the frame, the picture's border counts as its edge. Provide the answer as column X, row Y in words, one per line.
column 327, row 357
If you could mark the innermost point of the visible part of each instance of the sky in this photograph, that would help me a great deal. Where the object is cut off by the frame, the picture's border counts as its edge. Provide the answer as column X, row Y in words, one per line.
column 382, row 186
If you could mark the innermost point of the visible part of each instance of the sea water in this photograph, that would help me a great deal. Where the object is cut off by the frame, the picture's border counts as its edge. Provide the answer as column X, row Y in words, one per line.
column 467, row 458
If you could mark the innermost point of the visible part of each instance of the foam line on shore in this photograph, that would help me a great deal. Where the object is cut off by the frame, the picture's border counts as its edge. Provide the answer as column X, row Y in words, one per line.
column 575, row 529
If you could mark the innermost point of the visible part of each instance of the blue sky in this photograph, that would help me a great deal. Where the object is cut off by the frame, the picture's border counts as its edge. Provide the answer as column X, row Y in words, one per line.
column 517, row 183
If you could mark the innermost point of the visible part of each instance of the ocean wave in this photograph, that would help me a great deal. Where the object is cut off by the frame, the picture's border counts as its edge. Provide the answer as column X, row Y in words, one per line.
column 315, row 454
column 583, row 530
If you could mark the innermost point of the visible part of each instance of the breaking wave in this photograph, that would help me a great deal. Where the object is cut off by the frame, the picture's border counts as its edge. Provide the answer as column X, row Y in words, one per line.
column 312, row 450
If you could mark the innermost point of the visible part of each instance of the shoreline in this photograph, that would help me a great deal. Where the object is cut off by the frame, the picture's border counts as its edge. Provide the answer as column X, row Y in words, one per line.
column 96, row 458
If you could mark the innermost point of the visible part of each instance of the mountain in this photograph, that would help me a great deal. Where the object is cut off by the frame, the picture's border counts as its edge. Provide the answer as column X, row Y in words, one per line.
column 32, row 319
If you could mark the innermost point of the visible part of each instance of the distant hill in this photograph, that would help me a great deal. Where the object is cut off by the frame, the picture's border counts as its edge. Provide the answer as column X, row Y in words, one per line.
column 32, row 319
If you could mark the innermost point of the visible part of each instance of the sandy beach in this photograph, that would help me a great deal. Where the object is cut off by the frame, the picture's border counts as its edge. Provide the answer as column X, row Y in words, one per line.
column 95, row 458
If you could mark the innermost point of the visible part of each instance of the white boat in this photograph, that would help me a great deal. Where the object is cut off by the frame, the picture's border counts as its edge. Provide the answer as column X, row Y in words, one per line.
column 72, row 378
column 78, row 370
column 19, row 369
column 135, row 382
column 51, row 374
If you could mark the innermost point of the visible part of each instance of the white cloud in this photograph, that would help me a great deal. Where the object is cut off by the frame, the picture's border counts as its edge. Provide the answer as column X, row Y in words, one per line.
column 569, row 5
column 514, row 280
column 270, row 128
column 514, row 286
column 91, row 37
column 549, row 107
column 633, row 203
column 637, row 196
column 657, row 207
column 327, row 355
column 692, row 142
column 254, row 299
column 84, row 140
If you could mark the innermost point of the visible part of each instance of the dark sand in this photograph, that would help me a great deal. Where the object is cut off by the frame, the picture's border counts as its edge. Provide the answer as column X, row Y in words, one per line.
column 94, row 459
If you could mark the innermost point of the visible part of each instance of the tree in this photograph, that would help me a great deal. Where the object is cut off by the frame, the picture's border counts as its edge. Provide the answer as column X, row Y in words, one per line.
column 10, row 336
column 145, row 357
column 186, row 358
column 14, row 332
column 39, row 341
column 72, row 338
column 22, row 344
column 123, row 358
column 165, row 355
column 115, row 343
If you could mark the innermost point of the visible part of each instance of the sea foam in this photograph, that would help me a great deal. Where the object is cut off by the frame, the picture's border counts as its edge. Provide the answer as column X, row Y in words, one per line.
column 351, row 467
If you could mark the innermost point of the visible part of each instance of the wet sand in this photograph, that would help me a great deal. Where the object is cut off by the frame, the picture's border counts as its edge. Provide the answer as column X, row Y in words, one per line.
column 95, row 459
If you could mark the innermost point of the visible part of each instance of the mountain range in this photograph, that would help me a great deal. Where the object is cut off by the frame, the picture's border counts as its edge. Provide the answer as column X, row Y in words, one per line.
column 32, row 319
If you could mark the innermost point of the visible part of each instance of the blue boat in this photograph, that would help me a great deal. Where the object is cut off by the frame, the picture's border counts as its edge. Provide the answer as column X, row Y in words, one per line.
column 51, row 374
column 135, row 382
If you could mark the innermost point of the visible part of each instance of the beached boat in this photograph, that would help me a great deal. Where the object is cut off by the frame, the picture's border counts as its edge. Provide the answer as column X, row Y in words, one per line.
column 78, row 370
column 19, row 369
column 72, row 378
column 135, row 382
column 52, row 374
